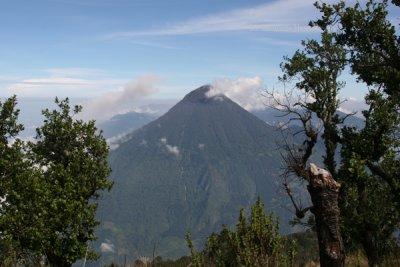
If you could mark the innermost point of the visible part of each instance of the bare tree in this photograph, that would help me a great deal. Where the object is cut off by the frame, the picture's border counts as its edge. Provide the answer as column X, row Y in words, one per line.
column 313, row 103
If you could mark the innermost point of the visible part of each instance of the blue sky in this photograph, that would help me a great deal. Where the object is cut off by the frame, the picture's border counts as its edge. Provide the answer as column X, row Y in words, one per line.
column 85, row 48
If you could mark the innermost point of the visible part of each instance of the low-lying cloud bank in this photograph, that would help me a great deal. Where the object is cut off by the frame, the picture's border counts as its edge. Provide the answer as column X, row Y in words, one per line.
column 111, row 103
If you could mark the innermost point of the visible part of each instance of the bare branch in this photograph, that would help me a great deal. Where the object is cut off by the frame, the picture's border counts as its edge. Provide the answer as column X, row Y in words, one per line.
column 300, row 212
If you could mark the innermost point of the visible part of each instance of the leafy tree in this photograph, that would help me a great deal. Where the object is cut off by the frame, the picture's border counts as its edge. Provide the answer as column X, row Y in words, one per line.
column 374, row 50
column 197, row 259
column 20, row 192
column 254, row 242
column 370, row 168
column 307, row 247
column 73, row 158
column 9, row 126
column 314, row 101
column 370, row 157
column 181, row 262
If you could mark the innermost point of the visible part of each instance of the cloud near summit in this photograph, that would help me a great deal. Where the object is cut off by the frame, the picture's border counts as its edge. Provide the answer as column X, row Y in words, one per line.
column 246, row 91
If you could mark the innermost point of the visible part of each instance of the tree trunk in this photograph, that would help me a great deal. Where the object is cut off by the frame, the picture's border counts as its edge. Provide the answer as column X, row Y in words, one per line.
column 370, row 248
column 371, row 251
column 324, row 192
column 56, row 261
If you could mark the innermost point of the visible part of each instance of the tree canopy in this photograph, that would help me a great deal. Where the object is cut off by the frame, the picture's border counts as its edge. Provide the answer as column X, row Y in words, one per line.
column 51, row 186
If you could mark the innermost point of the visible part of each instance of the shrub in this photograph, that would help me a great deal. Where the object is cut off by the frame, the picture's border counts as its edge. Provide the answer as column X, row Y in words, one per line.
column 254, row 242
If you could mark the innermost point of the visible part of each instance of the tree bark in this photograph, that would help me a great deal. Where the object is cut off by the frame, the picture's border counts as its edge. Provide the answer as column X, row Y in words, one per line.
column 367, row 235
column 370, row 249
column 56, row 261
column 324, row 192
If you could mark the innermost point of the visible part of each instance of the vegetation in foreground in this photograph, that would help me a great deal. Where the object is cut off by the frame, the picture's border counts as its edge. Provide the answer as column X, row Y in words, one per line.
column 354, row 197
column 255, row 241
column 307, row 256
column 49, row 187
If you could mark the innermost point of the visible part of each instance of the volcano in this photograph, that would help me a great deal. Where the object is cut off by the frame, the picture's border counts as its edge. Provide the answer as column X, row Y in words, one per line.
column 191, row 170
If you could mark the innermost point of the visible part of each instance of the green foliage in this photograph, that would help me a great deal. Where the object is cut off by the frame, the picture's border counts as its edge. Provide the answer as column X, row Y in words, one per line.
column 374, row 56
column 73, row 160
column 370, row 209
column 9, row 126
column 316, row 70
column 307, row 247
column 314, row 102
column 362, row 37
column 370, row 168
column 184, row 261
column 20, row 192
column 197, row 259
column 50, row 187
column 181, row 262
column 254, row 242
column 372, row 42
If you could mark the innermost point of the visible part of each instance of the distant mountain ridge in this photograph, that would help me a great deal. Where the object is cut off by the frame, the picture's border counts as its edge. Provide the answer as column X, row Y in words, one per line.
column 125, row 123
column 192, row 169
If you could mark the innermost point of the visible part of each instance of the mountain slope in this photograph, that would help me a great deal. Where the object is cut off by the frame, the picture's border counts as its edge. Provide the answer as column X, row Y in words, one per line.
column 190, row 170
column 124, row 123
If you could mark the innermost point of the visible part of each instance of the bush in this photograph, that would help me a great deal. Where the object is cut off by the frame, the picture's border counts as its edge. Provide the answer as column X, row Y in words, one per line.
column 254, row 242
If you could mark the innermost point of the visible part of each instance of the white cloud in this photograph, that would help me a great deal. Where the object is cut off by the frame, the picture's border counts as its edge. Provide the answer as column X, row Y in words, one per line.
column 278, row 16
column 110, row 103
column 106, row 247
column 173, row 150
column 353, row 105
column 49, row 86
column 249, row 93
column 9, row 78
column 278, row 42
column 143, row 142
column 52, row 81
column 114, row 141
column 152, row 44
column 75, row 72
column 245, row 91
column 61, row 82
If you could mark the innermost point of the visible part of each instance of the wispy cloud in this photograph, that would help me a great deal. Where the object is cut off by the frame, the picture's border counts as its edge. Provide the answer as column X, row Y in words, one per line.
column 9, row 78
column 60, row 86
column 91, row 3
column 112, row 102
column 61, row 82
column 153, row 44
column 52, row 81
column 278, row 16
column 75, row 72
column 277, row 42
